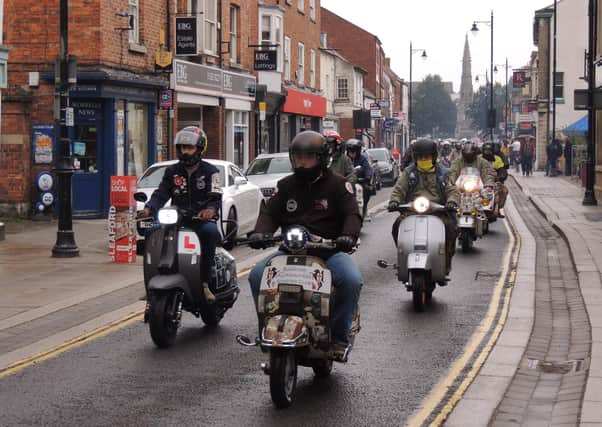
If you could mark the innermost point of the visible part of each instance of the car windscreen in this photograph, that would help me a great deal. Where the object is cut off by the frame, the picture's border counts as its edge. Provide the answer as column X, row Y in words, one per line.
column 270, row 165
column 153, row 176
column 380, row 155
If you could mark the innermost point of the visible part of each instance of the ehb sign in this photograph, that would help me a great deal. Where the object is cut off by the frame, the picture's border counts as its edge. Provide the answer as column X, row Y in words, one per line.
column 122, row 219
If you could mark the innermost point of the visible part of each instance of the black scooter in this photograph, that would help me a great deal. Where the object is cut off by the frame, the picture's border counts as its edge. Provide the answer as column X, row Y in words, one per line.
column 172, row 276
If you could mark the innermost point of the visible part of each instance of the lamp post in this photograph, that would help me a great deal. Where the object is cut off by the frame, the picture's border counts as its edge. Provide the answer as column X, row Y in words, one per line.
column 491, row 115
column 65, row 246
column 589, row 199
column 506, row 97
column 423, row 56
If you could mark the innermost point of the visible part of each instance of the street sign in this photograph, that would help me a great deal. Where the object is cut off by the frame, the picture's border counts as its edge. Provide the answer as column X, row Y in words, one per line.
column 384, row 103
column 186, row 36
column 265, row 60
column 391, row 123
column 375, row 112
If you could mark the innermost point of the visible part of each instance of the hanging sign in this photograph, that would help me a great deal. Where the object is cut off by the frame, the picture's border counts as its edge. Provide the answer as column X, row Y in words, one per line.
column 519, row 78
column 186, row 36
column 265, row 60
column 163, row 61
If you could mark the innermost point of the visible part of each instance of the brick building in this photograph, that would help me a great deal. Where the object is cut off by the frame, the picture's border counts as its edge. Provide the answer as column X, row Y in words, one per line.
column 363, row 48
column 292, row 91
column 117, row 128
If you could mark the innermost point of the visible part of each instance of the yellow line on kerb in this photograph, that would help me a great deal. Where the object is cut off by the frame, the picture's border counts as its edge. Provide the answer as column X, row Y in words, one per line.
column 436, row 396
column 99, row 332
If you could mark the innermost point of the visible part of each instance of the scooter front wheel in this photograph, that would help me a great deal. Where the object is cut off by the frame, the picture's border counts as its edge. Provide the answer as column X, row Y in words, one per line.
column 283, row 377
column 163, row 319
column 322, row 367
column 420, row 295
column 465, row 241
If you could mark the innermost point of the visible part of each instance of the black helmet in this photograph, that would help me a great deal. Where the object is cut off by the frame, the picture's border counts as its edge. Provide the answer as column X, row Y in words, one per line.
column 488, row 151
column 469, row 152
column 309, row 142
column 425, row 147
column 192, row 136
column 353, row 144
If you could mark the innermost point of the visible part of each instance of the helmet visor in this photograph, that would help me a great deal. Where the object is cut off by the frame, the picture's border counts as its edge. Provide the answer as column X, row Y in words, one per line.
column 187, row 138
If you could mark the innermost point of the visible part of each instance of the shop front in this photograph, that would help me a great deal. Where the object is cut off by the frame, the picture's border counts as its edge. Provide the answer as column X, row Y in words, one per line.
column 113, row 134
column 302, row 110
column 219, row 101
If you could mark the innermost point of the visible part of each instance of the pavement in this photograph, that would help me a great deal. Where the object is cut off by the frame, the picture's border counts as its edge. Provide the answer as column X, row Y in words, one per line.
column 546, row 367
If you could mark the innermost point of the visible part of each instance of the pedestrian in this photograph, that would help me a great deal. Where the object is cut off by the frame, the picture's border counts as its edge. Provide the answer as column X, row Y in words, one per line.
column 515, row 154
column 554, row 152
column 528, row 156
column 568, row 157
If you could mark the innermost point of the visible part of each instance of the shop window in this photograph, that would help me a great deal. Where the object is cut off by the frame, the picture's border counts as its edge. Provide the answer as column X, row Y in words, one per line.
column 84, row 147
column 234, row 13
column 300, row 63
column 134, row 12
column 270, row 33
column 342, row 89
column 287, row 58
column 312, row 68
column 241, row 137
column 137, row 138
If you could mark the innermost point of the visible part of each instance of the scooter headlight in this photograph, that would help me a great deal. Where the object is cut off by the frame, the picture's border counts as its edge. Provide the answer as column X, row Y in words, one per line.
column 168, row 216
column 295, row 238
column 470, row 185
column 421, row 204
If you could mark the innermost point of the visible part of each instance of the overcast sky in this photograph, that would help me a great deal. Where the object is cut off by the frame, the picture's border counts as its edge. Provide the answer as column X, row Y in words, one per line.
column 439, row 26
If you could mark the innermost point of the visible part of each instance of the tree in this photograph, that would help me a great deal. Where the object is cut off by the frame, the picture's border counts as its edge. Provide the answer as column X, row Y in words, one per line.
column 433, row 111
column 477, row 110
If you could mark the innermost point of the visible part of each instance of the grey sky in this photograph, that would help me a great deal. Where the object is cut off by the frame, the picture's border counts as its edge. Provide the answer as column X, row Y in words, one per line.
column 439, row 26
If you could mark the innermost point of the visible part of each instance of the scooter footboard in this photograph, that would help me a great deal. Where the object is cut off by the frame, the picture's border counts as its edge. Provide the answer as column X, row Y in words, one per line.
column 285, row 331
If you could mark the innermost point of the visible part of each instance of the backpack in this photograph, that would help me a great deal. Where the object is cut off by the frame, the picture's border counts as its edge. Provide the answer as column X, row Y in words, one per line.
column 441, row 173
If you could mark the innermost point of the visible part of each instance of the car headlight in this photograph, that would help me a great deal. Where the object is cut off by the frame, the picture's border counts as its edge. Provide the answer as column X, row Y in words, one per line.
column 421, row 204
column 295, row 238
column 168, row 216
column 470, row 185
column 267, row 191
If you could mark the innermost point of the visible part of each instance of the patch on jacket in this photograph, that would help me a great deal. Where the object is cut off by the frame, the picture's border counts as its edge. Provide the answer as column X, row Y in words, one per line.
column 200, row 183
column 180, row 185
column 291, row 205
column 349, row 187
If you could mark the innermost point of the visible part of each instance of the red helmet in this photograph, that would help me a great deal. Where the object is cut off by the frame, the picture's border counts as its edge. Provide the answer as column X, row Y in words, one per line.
column 332, row 136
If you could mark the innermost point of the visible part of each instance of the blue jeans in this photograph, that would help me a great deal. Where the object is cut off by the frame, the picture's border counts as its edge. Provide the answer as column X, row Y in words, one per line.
column 347, row 280
column 209, row 236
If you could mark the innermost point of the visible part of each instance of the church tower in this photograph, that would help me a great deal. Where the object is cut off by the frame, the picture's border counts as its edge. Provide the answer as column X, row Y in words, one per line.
column 464, row 126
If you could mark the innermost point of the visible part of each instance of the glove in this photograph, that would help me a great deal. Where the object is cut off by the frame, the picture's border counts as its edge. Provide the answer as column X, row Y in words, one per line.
column 345, row 243
column 451, row 206
column 144, row 213
column 393, row 206
column 256, row 241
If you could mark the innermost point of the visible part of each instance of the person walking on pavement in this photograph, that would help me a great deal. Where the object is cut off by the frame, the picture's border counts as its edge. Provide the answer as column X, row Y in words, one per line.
column 527, row 154
column 568, row 157
column 364, row 176
column 554, row 152
column 515, row 154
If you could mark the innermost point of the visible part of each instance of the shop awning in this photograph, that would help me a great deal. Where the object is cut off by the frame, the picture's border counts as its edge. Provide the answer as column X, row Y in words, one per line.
column 579, row 127
column 304, row 103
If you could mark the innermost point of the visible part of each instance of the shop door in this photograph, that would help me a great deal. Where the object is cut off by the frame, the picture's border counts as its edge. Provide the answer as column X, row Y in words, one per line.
column 88, row 199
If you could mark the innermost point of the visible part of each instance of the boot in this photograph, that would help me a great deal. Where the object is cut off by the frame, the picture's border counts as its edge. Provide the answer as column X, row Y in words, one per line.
column 209, row 297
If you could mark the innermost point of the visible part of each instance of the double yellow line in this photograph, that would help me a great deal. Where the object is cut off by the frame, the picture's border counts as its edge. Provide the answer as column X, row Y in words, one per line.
column 435, row 404
column 99, row 332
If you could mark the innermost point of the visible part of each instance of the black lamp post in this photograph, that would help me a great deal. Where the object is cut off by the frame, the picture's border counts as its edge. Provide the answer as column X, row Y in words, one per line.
column 423, row 56
column 65, row 246
column 491, row 115
column 589, row 199
column 506, row 98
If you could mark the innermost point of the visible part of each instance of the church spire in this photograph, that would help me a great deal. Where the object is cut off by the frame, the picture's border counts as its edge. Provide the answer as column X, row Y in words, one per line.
column 464, row 125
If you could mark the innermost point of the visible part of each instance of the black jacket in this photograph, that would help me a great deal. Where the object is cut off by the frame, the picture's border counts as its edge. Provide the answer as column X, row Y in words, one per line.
column 196, row 192
column 327, row 207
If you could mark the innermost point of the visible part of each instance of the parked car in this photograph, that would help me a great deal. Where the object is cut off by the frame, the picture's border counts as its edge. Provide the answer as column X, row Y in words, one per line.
column 267, row 169
column 387, row 166
column 241, row 200
column 376, row 181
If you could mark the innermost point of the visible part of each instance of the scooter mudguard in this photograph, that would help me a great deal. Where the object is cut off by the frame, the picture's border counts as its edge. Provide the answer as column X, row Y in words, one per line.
column 421, row 245
column 284, row 331
column 167, row 282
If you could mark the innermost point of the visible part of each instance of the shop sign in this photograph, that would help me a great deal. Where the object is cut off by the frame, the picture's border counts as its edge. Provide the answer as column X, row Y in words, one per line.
column 122, row 223
column 305, row 104
column 163, row 61
column 87, row 111
column 391, row 124
column 207, row 80
column 519, row 78
column 375, row 112
column 166, row 99
column 186, row 36
column 265, row 60
column 43, row 142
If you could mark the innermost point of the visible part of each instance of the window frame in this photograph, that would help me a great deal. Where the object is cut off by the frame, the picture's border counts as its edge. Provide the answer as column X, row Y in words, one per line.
column 559, row 86
column 234, row 14
column 312, row 68
column 287, row 58
column 211, row 50
column 275, row 39
column 301, row 6
column 134, row 32
column 340, row 88
column 312, row 10
column 301, row 63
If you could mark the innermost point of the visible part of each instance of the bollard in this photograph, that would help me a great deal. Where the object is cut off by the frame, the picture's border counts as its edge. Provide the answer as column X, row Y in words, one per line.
column 1, row 231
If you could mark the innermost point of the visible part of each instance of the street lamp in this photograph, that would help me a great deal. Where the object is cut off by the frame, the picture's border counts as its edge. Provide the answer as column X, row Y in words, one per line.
column 495, row 70
column 491, row 116
column 424, row 57
column 589, row 198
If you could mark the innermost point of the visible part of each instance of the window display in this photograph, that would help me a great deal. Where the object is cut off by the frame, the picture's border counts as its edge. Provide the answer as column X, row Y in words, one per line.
column 137, row 138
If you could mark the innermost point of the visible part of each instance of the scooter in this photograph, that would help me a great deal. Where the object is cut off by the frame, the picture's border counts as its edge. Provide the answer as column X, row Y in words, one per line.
column 172, row 276
column 294, row 309
column 472, row 218
column 420, row 250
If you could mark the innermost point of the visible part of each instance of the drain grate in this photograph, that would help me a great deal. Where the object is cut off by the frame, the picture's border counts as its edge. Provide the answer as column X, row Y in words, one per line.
column 556, row 367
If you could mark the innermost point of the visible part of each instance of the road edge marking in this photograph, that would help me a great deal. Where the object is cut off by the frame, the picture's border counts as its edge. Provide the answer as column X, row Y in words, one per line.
column 438, row 393
column 80, row 340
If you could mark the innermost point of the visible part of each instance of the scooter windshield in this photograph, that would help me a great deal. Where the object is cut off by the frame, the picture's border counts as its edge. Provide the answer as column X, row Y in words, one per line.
column 469, row 180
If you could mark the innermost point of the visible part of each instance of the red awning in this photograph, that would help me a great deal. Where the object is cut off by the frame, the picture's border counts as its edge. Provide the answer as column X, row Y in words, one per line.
column 305, row 104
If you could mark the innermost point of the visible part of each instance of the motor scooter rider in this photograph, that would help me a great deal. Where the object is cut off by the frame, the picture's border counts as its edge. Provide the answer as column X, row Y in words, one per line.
column 324, row 203
column 425, row 177
column 501, row 174
column 193, row 184
column 470, row 159
column 338, row 162
column 364, row 177
column 456, row 152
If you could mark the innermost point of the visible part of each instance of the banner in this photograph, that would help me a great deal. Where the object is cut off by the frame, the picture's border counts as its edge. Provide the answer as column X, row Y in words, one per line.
column 42, row 144
column 122, row 219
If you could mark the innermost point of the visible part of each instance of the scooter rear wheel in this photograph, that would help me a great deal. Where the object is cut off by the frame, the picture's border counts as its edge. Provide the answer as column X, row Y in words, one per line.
column 283, row 377
column 162, row 322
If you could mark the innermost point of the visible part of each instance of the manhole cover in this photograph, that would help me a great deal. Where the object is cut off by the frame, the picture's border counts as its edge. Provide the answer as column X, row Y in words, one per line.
column 556, row 367
column 595, row 217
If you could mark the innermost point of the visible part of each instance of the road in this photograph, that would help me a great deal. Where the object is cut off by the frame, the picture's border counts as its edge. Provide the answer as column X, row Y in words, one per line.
column 207, row 378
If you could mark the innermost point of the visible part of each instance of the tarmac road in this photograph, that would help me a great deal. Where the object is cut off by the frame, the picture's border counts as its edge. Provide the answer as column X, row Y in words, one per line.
column 208, row 379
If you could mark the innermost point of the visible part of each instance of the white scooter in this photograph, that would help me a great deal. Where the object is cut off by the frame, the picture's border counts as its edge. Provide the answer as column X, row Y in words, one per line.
column 420, row 250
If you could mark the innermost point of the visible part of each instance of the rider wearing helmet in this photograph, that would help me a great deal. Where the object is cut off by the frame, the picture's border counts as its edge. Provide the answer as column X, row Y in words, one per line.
column 500, row 172
column 364, row 176
column 425, row 177
column 194, row 185
column 470, row 159
column 338, row 161
column 324, row 203
column 456, row 151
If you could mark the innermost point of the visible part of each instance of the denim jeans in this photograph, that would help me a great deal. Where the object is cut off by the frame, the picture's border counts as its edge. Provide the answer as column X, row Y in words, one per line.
column 209, row 236
column 347, row 280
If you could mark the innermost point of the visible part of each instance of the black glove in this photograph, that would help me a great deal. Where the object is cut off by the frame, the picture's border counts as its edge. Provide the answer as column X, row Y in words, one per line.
column 256, row 241
column 393, row 206
column 345, row 243
column 451, row 205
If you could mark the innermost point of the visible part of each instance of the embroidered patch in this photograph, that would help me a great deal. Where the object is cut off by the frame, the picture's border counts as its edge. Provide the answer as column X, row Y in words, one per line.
column 180, row 185
column 349, row 187
column 200, row 183
column 291, row 205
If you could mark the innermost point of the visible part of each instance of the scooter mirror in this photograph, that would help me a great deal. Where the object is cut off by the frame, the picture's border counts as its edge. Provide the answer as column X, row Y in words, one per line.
column 382, row 263
column 243, row 340
column 140, row 197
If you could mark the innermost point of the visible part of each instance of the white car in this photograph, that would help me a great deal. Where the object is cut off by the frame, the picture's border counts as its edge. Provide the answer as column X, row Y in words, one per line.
column 241, row 199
